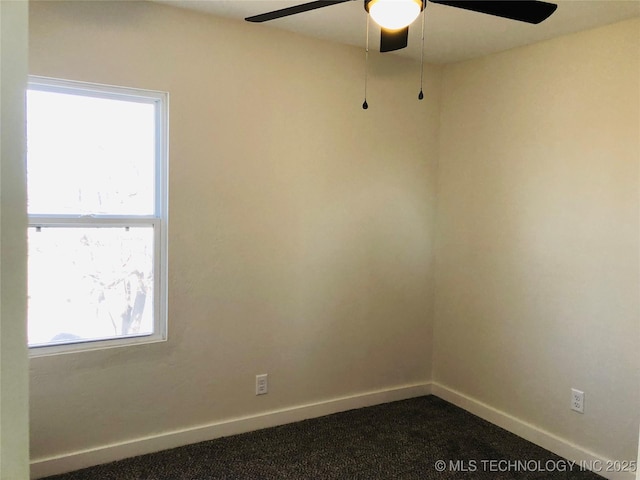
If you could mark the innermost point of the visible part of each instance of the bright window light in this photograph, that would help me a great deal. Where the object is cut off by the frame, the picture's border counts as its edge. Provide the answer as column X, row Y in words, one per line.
column 96, row 183
column 106, row 147
column 97, row 283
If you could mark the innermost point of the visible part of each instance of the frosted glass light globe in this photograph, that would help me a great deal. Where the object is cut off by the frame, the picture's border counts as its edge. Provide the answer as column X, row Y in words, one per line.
column 394, row 14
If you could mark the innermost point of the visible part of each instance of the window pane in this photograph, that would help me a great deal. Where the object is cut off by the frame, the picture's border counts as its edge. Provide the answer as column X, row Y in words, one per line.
column 89, row 155
column 90, row 283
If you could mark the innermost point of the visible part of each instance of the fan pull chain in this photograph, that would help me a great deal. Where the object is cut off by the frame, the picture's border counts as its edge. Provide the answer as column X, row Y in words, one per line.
column 421, row 95
column 365, row 105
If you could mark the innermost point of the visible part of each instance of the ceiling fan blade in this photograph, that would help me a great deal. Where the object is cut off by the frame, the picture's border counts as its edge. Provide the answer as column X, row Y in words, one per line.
column 391, row 40
column 530, row 11
column 285, row 12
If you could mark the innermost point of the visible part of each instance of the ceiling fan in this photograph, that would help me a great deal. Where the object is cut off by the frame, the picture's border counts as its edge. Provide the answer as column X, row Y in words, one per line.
column 395, row 16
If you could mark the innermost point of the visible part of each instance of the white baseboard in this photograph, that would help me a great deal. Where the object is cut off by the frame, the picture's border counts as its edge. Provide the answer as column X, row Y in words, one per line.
column 67, row 462
column 529, row 432
column 86, row 458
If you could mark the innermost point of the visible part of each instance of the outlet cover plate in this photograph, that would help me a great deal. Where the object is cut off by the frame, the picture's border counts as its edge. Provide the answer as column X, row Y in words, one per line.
column 577, row 400
column 262, row 384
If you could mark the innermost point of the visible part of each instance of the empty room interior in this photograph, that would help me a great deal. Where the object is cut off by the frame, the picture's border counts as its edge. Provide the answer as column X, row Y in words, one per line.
column 481, row 245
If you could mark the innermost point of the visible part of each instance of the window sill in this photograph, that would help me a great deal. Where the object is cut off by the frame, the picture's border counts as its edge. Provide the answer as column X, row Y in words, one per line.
column 89, row 346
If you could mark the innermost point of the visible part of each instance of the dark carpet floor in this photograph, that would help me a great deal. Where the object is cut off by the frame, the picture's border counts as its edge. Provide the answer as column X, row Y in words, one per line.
column 398, row 440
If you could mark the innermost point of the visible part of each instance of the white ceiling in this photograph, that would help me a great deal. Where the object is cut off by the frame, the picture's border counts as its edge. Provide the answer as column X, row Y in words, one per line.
column 451, row 35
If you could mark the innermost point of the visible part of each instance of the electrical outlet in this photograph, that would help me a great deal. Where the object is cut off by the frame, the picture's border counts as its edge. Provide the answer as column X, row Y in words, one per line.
column 577, row 400
column 262, row 384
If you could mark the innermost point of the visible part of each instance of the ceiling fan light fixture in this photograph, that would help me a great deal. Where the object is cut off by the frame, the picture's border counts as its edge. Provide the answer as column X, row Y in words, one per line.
column 394, row 14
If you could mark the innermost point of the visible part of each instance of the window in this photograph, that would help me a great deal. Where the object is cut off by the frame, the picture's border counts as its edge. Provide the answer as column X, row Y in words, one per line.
column 97, row 205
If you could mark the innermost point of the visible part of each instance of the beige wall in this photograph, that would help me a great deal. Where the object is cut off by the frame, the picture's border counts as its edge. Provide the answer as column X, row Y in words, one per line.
column 537, row 250
column 14, row 439
column 300, row 225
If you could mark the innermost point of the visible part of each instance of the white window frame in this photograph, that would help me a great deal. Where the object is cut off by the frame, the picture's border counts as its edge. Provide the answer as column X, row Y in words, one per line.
column 158, row 221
